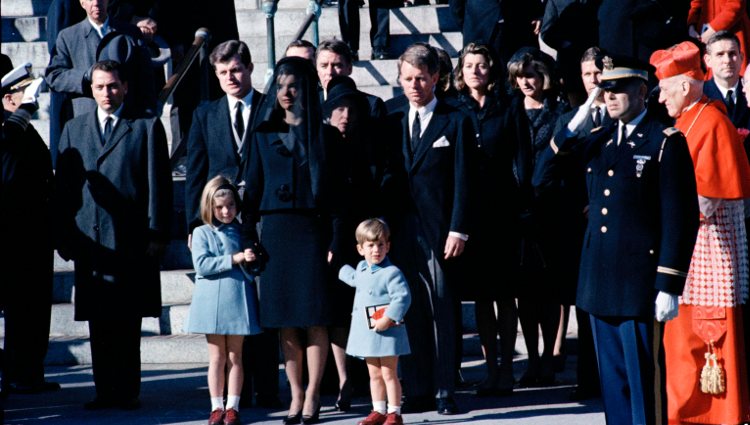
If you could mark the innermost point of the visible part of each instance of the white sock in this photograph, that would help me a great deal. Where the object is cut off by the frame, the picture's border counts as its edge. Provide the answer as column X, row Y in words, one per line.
column 394, row 409
column 233, row 402
column 217, row 403
column 379, row 406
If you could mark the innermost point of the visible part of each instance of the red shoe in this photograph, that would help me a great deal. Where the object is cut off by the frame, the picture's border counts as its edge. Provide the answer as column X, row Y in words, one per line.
column 374, row 418
column 393, row 419
column 231, row 417
column 217, row 417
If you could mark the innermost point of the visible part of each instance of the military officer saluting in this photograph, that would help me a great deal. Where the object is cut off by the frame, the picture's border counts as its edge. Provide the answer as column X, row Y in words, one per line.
column 641, row 231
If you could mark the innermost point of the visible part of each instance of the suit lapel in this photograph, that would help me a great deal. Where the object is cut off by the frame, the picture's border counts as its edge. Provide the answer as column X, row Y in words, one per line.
column 122, row 128
column 225, row 137
column 405, row 144
column 430, row 134
column 635, row 140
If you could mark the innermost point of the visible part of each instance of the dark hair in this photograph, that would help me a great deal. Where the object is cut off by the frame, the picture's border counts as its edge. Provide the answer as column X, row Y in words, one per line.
column 540, row 62
column 474, row 49
column 419, row 54
column 592, row 54
column 301, row 43
column 722, row 35
column 113, row 67
column 336, row 46
column 225, row 51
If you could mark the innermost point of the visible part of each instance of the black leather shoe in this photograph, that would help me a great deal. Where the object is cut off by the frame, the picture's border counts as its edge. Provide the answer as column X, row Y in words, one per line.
column 312, row 419
column 42, row 387
column 446, row 406
column 418, row 404
column 581, row 393
column 99, row 403
column 129, row 404
column 380, row 55
column 293, row 419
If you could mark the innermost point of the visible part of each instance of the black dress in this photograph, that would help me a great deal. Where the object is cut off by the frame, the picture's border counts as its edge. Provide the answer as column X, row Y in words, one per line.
column 291, row 190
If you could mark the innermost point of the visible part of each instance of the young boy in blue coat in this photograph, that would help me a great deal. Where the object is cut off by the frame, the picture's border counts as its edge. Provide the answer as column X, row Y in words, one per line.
column 380, row 303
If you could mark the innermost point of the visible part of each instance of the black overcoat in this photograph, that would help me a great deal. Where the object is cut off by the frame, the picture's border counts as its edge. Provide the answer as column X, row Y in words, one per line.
column 112, row 201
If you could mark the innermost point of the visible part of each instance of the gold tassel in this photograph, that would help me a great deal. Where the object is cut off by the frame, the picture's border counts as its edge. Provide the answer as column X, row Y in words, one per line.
column 712, row 377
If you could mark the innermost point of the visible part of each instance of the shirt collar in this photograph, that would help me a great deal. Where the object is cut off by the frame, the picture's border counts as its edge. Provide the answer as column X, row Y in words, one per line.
column 101, row 29
column 425, row 110
column 246, row 101
column 725, row 90
column 375, row 267
column 629, row 127
column 101, row 115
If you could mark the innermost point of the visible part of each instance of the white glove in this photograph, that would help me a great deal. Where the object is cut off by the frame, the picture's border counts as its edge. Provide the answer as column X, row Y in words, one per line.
column 666, row 306
column 583, row 111
column 31, row 93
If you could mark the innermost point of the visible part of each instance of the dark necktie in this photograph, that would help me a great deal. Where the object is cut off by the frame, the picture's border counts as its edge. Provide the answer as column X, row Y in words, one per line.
column 239, row 123
column 729, row 101
column 107, row 130
column 623, row 135
column 416, row 130
column 597, row 116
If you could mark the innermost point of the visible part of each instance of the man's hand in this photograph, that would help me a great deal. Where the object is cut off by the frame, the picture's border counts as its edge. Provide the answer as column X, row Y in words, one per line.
column 148, row 28
column 707, row 34
column 454, row 246
column 666, row 307
column 249, row 255
column 583, row 112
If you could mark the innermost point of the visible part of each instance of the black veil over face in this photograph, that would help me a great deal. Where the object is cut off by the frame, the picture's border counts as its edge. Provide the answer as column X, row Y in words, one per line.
column 304, row 139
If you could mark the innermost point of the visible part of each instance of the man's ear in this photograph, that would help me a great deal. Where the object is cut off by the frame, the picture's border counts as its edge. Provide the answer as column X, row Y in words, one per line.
column 125, row 87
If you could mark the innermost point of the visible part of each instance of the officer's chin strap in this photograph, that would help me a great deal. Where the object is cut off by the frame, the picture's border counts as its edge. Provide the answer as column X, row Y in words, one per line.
column 712, row 376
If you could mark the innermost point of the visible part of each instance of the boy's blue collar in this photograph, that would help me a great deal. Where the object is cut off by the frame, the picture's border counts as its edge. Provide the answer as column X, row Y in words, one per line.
column 375, row 267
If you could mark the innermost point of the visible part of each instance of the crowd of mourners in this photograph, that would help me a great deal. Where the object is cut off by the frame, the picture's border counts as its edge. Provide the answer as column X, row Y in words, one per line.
column 606, row 170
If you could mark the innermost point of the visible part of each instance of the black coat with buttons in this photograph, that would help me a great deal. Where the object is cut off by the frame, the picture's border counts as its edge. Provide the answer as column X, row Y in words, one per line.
column 643, row 215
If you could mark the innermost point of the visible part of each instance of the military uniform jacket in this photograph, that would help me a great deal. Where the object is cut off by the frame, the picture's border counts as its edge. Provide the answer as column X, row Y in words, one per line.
column 643, row 215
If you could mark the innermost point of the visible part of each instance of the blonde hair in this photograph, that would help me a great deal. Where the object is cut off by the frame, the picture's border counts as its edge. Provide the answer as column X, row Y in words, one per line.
column 371, row 230
column 217, row 188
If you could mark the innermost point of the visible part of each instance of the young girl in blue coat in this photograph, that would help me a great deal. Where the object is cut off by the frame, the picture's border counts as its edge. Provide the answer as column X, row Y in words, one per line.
column 224, row 304
column 378, row 336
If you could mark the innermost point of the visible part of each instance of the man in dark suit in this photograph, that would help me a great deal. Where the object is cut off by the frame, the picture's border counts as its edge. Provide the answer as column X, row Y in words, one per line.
column 113, row 206
column 216, row 145
column 25, row 292
column 433, row 147
column 74, row 52
column 636, row 251
column 333, row 57
column 724, row 58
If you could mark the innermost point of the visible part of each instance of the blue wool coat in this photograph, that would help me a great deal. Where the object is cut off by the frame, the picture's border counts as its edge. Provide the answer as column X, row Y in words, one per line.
column 224, row 299
column 376, row 285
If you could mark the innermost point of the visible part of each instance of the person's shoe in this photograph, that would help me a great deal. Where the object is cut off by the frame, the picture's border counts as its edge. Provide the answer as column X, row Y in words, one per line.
column 374, row 418
column 446, row 406
column 216, row 417
column 312, row 419
column 380, row 55
column 580, row 393
column 231, row 417
column 42, row 387
column 293, row 419
column 344, row 402
column 99, row 403
column 393, row 419
column 418, row 404
column 129, row 404
column 355, row 56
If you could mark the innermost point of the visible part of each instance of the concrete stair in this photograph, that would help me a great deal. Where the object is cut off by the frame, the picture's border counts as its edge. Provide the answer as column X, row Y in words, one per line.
column 24, row 38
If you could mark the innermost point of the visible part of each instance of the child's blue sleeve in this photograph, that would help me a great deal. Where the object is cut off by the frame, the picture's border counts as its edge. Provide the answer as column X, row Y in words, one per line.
column 398, row 291
column 346, row 274
column 205, row 262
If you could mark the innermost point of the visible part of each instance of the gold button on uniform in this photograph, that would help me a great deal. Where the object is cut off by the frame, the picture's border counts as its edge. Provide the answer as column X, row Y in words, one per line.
column 606, row 192
column 604, row 229
column 604, row 211
column 611, row 173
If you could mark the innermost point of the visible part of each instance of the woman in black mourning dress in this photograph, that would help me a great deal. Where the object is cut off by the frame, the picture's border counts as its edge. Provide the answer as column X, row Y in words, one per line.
column 290, row 189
